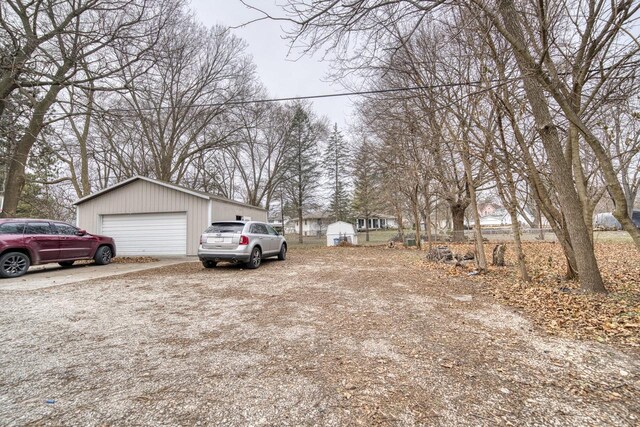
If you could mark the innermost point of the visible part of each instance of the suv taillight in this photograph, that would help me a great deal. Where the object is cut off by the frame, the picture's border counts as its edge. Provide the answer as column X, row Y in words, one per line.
column 244, row 240
column 203, row 239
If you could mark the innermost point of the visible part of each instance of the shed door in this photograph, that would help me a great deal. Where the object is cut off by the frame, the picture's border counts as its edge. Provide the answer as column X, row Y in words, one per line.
column 147, row 234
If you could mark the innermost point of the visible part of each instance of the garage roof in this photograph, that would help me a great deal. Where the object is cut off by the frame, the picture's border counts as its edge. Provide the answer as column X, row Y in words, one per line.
column 180, row 188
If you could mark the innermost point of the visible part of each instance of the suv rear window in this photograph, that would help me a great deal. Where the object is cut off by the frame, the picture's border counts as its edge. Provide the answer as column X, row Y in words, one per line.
column 38, row 228
column 225, row 227
column 259, row 229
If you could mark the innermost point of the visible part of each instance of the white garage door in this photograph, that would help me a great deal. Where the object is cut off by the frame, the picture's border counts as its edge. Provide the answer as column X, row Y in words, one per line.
column 147, row 234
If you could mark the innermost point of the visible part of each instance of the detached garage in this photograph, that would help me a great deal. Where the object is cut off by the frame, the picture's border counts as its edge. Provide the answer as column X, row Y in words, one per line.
column 150, row 217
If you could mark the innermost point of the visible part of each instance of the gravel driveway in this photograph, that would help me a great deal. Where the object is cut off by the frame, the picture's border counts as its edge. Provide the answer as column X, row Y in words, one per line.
column 338, row 336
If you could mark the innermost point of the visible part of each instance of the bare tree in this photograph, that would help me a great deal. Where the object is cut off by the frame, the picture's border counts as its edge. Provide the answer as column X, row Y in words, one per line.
column 621, row 131
column 182, row 104
column 338, row 24
column 259, row 150
column 51, row 44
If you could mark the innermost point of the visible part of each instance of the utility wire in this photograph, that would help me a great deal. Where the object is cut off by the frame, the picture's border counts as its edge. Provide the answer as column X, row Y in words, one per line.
column 304, row 97
column 478, row 83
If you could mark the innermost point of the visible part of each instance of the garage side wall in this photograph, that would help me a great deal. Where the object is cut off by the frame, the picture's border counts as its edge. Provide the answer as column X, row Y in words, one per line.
column 145, row 197
column 227, row 211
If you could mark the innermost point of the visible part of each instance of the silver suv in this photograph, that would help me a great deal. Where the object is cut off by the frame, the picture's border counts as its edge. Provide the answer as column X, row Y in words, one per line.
column 240, row 241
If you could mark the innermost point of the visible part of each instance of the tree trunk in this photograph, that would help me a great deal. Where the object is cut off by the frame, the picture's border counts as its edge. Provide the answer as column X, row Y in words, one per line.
column 299, row 225
column 416, row 215
column 522, row 264
column 457, row 217
column 481, row 259
column 427, row 220
column 84, row 158
column 510, row 199
column 366, row 227
column 589, row 274
column 539, row 219
column 545, row 206
column 436, row 226
column 631, row 192
column 399, row 221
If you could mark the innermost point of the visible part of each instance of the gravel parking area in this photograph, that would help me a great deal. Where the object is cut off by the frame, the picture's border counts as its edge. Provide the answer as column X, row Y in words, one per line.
column 332, row 336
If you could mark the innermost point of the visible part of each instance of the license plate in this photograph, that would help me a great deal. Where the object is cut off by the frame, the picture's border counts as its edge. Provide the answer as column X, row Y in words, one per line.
column 219, row 239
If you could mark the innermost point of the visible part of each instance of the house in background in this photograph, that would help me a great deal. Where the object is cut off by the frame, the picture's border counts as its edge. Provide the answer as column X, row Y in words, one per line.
column 486, row 209
column 150, row 217
column 501, row 218
column 313, row 224
column 497, row 218
column 376, row 222
column 606, row 221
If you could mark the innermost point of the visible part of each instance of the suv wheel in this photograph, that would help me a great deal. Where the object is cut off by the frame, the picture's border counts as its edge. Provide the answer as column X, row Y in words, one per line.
column 282, row 255
column 14, row 264
column 256, row 258
column 103, row 255
column 209, row 264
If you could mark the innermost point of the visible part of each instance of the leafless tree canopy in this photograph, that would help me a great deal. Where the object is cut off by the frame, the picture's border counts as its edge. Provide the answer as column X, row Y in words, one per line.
column 514, row 91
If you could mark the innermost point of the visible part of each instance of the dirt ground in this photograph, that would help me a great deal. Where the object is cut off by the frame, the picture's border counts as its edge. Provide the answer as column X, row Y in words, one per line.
column 332, row 336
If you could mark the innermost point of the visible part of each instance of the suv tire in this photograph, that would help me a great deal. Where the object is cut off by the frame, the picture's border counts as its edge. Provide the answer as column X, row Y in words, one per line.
column 282, row 255
column 209, row 264
column 14, row 264
column 103, row 255
column 256, row 258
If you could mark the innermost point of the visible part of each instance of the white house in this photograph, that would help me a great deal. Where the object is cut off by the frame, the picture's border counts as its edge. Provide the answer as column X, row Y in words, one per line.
column 377, row 222
column 499, row 218
column 313, row 224
column 341, row 231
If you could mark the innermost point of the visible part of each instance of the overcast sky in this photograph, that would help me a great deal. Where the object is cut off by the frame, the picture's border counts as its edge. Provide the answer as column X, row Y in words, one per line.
column 282, row 76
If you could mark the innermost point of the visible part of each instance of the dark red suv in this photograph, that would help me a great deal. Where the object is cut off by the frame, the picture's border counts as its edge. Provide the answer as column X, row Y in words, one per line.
column 25, row 242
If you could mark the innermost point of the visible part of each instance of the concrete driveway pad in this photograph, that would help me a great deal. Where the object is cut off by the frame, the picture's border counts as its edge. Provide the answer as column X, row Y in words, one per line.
column 48, row 275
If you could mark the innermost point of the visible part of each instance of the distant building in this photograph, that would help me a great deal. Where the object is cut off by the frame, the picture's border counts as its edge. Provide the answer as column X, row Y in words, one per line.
column 376, row 222
column 313, row 224
column 486, row 209
column 500, row 218
column 606, row 221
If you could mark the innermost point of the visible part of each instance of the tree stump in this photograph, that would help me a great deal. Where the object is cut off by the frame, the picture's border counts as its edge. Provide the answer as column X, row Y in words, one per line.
column 498, row 255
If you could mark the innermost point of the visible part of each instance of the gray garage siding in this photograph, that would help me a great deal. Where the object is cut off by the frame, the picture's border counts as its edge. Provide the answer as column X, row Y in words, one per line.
column 222, row 210
column 141, row 196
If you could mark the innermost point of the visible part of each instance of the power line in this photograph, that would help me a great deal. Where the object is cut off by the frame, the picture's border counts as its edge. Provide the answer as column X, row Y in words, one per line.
column 494, row 84
column 320, row 96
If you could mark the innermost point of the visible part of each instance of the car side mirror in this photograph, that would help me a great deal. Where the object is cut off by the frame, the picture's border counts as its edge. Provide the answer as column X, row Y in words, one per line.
column 81, row 232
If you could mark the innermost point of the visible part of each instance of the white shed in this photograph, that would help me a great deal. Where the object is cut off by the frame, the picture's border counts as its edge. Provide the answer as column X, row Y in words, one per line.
column 341, row 231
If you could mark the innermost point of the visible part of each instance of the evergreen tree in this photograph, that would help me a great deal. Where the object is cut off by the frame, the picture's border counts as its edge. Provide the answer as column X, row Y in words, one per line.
column 302, row 166
column 336, row 163
column 366, row 194
column 37, row 200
